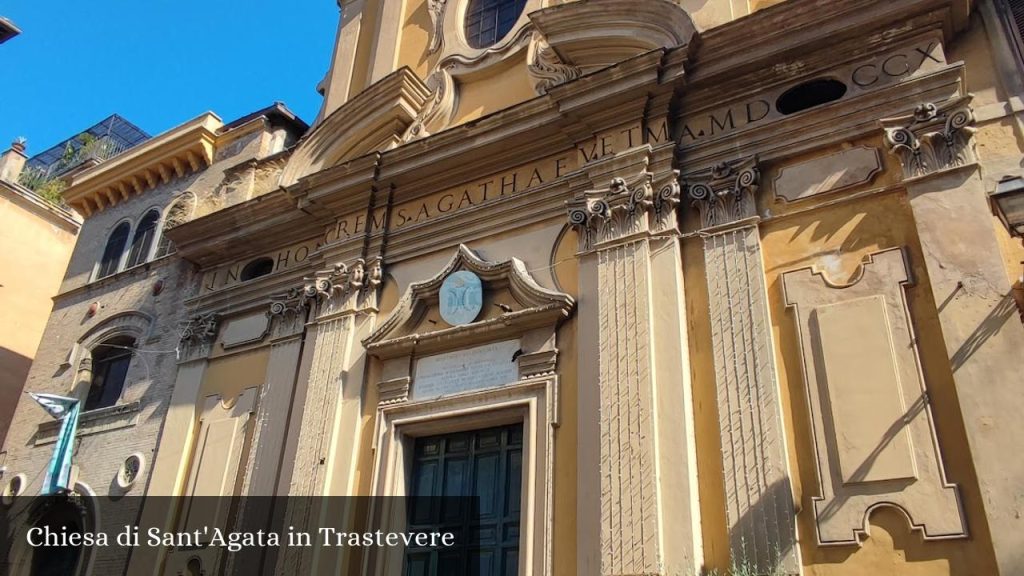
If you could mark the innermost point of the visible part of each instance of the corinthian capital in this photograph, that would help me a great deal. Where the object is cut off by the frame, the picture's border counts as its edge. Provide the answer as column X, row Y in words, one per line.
column 197, row 336
column 725, row 193
column 935, row 137
column 644, row 206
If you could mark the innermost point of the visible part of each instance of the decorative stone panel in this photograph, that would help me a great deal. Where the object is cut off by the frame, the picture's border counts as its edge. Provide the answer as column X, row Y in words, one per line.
column 873, row 428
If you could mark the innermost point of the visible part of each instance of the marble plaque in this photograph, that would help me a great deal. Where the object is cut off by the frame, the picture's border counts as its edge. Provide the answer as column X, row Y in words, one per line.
column 466, row 370
column 461, row 298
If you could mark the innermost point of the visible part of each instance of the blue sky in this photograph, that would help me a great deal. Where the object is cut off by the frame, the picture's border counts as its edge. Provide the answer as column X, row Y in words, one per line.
column 158, row 63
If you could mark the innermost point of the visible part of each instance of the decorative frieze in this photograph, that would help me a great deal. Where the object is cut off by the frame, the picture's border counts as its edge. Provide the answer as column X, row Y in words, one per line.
column 197, row 336
column 935, row 137
column 725, row 193
column 645, row 205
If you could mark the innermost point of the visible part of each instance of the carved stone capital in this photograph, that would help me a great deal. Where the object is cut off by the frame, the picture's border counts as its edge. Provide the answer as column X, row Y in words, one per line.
column 725, row 193
column 353, row 285
column 645, row 206
column 935, row 137
column 197, row 336
column 546, row 68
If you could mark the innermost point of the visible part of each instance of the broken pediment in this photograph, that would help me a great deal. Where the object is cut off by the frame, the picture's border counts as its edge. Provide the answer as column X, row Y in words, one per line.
column 512, row 305
column 372, row 121
column 595, row 34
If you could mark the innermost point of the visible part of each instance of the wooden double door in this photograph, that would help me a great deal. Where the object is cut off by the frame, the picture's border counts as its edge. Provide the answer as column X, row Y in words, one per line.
column 468, row 484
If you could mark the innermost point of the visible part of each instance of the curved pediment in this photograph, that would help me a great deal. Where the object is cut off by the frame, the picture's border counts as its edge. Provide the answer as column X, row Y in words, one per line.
column 373, row 121
column 594, row 34
column 533, row 306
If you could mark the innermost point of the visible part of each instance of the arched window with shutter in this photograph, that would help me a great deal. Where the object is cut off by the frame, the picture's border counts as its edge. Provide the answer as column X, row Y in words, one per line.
column 142, row 242
column 110, row 262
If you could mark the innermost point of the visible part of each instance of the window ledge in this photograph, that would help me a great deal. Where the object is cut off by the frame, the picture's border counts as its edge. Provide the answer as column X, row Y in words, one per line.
column 93, row 422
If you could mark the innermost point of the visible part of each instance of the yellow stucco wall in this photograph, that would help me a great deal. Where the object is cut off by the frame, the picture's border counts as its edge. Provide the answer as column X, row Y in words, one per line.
column 839, row 238
column 32, row 264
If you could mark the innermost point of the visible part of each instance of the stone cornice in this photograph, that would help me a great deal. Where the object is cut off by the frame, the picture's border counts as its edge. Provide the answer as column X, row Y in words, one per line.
column 777, row 33
column 34, row 203
column 173, row 154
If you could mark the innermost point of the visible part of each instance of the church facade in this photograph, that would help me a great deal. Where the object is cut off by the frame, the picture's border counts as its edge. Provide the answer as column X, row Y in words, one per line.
column 678, row 287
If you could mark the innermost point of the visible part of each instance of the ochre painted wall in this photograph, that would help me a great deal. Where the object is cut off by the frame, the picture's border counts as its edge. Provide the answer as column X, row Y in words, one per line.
column 33, row 260
column 838, row 238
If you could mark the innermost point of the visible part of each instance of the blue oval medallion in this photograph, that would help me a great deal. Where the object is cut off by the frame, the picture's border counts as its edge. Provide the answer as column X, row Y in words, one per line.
column 462, row 298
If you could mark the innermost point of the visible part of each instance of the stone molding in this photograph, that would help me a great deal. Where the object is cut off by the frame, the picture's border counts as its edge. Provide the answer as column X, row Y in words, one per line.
column 725, row 193
column 626, row 209
column 93, row 422
column 934, row 138
column 436, row 9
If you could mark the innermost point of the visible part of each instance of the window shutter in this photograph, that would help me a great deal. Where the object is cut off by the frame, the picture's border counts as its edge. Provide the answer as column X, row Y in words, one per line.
column 1013, row 16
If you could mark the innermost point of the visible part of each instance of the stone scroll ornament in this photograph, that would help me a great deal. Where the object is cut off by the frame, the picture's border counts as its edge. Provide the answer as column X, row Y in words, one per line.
column 935, row 137
column 197, row 335
column 725, row 193
column 624, row 209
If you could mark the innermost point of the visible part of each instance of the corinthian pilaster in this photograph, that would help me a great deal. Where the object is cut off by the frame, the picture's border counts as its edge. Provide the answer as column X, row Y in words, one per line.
column 758, row 490
column 644, row 514
column 949, row 201
column 342, row 304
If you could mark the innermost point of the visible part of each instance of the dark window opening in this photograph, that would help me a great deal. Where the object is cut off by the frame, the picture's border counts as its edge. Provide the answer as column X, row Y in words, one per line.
column 143, row 239
column 488, row 21
column 115, row 248
column 810, row 94
column 469, row 484
column 110, row 362
column 63, row 517
column 256, row 268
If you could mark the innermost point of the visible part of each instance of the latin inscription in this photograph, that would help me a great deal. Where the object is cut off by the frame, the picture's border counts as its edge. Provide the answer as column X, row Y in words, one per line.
column 462, row 371
column 865, row 75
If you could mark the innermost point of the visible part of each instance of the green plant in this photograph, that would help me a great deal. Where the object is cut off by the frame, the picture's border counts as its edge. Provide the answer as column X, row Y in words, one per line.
column 51, row 189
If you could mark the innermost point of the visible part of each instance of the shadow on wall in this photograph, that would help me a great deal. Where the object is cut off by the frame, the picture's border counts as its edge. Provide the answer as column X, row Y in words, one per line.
column 13, row 372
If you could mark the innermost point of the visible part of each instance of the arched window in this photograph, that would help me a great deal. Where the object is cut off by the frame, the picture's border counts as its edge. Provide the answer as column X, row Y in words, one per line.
column 62, row 517
column 256, row 268
column 488, row 21
column 179, row 213
column 143, row 239
column 110, row 360
column 111, row 260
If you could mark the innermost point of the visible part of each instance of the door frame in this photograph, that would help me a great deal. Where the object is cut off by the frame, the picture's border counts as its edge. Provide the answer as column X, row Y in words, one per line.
column 530, row 402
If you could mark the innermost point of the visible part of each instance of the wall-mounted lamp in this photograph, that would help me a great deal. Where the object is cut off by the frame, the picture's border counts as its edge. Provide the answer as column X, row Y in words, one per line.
column 1008, row 201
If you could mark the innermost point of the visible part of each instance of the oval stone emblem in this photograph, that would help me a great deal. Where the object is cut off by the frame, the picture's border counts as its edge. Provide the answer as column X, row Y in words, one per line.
column 462, row 297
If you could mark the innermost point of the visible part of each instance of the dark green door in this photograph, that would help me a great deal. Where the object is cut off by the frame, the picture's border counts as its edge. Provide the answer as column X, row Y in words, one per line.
column 487, row 465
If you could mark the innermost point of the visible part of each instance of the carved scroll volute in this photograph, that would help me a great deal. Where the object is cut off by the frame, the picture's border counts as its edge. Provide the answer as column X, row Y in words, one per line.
column 935, row 137
column 725, row 193
column 623, row 210
column 344, row 286
column 546, row 68
column 197, row 336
